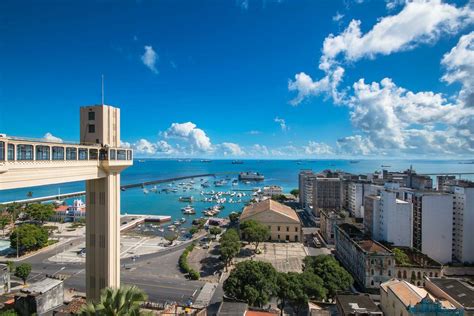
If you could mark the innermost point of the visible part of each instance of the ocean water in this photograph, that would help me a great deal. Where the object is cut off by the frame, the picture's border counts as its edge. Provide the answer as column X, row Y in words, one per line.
column 276, row 172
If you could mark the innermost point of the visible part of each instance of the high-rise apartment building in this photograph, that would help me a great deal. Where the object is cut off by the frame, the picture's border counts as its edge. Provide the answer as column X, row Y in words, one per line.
column 463, row 222
column 432, row 223
column 305, row 186
column 327, row 194
column 396, row 219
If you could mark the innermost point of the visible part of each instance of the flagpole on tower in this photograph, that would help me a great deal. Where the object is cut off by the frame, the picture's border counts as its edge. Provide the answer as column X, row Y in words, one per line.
column 102, row 89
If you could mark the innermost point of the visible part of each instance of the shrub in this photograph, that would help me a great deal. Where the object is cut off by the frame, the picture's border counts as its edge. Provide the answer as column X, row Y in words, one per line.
column 184, row 265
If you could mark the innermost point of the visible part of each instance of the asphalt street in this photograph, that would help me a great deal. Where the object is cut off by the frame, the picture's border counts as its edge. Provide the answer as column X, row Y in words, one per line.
column 157, row 274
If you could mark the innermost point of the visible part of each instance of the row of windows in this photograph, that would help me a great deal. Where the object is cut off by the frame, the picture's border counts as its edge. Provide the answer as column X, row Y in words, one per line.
column 41, row 152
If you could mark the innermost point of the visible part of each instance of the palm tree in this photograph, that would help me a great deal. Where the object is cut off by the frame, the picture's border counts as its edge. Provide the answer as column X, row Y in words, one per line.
column 123, row 301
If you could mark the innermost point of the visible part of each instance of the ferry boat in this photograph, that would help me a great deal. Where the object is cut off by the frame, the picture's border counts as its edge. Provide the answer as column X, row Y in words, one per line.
column 251, row 176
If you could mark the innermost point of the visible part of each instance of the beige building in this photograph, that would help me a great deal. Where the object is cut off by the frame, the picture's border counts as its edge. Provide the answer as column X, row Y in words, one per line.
column 400, row 298
column 283, row 222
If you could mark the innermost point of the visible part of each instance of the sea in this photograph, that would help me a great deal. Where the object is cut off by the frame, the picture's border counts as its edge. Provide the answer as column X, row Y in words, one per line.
column 277, row 172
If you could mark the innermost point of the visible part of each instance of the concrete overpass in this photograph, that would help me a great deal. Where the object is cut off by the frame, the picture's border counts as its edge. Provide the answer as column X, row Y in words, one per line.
column 97, row 159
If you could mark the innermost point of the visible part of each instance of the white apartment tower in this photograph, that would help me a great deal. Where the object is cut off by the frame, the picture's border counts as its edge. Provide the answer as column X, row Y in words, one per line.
column 396, row 219
column 463, row 217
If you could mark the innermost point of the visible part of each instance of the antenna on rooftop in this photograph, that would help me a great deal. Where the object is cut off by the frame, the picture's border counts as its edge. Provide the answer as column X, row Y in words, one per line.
column 102, row 89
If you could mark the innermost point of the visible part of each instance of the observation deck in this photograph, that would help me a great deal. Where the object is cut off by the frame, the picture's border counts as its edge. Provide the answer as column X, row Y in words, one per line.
column 26, row 162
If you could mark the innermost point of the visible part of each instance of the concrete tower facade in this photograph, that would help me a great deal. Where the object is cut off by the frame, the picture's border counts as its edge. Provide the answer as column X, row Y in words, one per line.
column 101, row 125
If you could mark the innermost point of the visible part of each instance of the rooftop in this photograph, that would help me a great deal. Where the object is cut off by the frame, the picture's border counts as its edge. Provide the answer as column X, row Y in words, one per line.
column 417, row 258
column 269, row 205
column 230, row 308
column 409, row 294
column 351, row 304
column 364, row 243
column 42, row 286
column 456, row 289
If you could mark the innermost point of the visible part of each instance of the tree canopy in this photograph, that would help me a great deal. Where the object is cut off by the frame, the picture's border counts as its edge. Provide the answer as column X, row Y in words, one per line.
column 215, row 231
column 254, row 232
column 401, row 257
column 252, row 281
column 295, row 192
column 234, row 217
column 334, row 276
column 30, row 237
column 229, row 246
column 40, row 212
column 22, row 271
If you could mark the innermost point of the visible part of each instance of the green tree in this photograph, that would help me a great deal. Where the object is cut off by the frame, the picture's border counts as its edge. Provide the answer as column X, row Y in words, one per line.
column 4, row 221
column 252, row 281
column 313, row 286
column 22, row 271
column 334, row 276
column 171, row 238
column 291, row 289
column 229, row 246
column 254, row 232
column 215, row 231
column 193, row 230
column 401, row 257
column 8, row 312
column 29, row 236
column 295, row 192
column 40, row 212
column 234, row 217
column 123, row 301
column 14, row 209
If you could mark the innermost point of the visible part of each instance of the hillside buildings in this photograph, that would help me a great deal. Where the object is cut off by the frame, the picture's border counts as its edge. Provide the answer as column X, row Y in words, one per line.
column 283, row 222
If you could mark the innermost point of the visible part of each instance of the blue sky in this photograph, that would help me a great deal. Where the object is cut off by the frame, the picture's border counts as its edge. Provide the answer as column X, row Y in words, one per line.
column 279, row 79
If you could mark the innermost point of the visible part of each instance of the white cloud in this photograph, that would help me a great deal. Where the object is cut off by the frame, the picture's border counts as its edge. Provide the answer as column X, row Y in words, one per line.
column 282, row 123
column 196, row 137
column 232, row 149
column 459, row 64
column 338, row 17
column 144, row 146
column 355, row 145
column 149, row 59
column 125, row 144
column 420, row 21
column 315, row 148
column 392, row 4
column 258, row 150
column 396, row 119
column 50, row 138
column 305, row 86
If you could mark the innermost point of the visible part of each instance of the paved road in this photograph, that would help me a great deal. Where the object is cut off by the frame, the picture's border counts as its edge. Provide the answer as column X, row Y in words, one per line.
column 157, row 274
